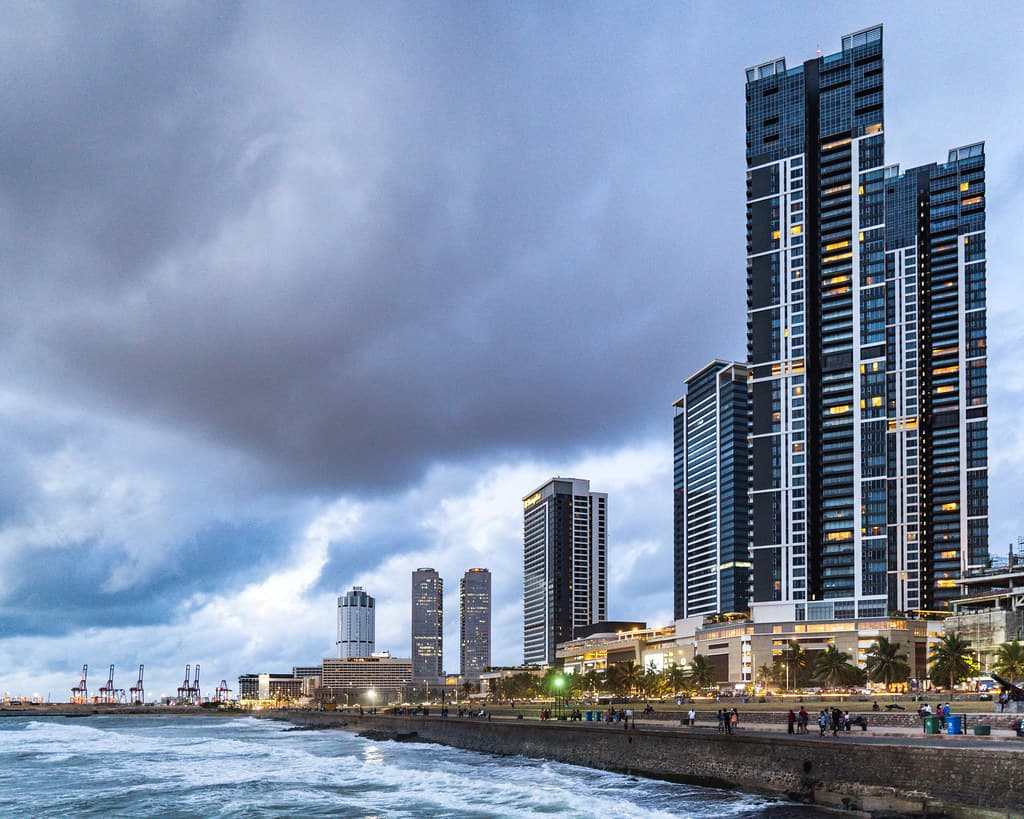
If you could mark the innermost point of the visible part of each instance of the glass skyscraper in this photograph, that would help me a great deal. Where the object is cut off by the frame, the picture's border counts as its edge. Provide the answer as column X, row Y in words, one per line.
column 712, row 484
column 564, row 565
column 866, row 345
column 427, row 626
column 475, row 633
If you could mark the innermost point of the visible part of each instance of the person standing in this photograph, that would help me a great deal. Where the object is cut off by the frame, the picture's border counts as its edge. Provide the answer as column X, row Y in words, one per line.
column 822, row 722
column 790, row 721
column 692, row 715
column 803, row 717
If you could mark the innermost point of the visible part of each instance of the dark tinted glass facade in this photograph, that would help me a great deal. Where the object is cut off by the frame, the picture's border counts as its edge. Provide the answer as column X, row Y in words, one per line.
column 848, row 423
column 712, row 484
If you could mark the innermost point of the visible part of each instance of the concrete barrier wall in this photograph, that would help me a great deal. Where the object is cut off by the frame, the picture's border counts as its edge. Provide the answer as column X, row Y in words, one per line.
column 856, row 776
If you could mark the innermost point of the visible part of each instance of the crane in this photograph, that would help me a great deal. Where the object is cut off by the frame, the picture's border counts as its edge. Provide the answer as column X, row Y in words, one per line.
column 138, row 692
column 194, row 691
column 107, row 692
column 184, row 690
column 80, row 693
column 223, row 692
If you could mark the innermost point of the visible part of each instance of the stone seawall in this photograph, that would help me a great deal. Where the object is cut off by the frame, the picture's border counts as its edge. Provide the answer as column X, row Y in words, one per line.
column 881, row 779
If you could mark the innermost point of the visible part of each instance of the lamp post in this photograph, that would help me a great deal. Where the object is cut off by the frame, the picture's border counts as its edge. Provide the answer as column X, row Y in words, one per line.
column 558, row 683
column 372, row 695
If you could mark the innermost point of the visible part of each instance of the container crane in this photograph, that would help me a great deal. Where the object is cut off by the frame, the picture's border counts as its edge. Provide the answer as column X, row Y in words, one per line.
column 137, row 691
column 107, row 692
column 80, row 693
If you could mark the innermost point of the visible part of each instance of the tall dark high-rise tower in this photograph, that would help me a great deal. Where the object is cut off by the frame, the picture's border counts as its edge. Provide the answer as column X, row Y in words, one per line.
column 564, row 564
column 475, row 633
column 712, row 487
column 866, row 343
column 427, row 626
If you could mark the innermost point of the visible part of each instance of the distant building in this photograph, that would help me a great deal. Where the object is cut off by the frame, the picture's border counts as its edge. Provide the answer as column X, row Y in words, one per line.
column 712, row 492
column 366, row 680
column 475, row 633
column 355, row 624
column 564, row 564
column 427, row 626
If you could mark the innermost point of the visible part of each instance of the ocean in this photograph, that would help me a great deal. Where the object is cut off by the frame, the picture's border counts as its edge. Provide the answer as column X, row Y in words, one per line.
column 174, row 766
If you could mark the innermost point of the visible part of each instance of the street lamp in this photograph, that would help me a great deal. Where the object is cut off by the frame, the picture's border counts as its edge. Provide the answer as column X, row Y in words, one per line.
column 372, row 696
column 558, row 683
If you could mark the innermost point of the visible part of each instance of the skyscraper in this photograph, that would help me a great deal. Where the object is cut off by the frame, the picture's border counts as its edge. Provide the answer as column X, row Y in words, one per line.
column 564, row 564
column 427, row 626
column 475, row 635
column 712, row 485
column 355, row 624
column 866, row 343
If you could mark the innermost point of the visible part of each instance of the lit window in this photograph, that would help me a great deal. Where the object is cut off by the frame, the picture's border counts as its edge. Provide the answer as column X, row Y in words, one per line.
column 839, row 410
column 795, row 230
column 950, row 507
column 964, row 185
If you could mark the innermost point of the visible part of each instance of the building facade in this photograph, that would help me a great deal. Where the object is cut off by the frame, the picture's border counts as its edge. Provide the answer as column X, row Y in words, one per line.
column 376, row 680
column 866, row 345
column 564, row 564
column 355, row 624
column 427, row 626
column 475, row 623
column 711, row 492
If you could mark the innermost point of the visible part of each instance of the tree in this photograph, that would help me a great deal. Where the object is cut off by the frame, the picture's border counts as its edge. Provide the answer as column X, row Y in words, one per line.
column 833, row 666
column 951, row 660
column 702, row 672
column 764, row 675
column 592, row 681
column 677, row 679
column 886, row 664
column 795, row 659
column 1009, row 661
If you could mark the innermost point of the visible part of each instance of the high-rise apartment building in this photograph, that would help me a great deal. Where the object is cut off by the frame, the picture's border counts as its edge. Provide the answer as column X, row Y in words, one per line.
column 866, row 344
column 475, row 632
column 564, row 564
column 712, row 485
column 355, row 624
column 427, row 626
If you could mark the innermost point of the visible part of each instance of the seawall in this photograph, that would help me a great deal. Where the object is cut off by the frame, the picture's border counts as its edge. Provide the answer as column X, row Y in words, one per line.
column 897, row 778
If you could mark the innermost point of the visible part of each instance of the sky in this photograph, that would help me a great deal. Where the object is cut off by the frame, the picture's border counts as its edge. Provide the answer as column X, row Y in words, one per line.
column 296, row 297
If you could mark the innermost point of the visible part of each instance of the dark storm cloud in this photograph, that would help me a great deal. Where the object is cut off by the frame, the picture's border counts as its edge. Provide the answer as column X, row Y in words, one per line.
column 425, row 235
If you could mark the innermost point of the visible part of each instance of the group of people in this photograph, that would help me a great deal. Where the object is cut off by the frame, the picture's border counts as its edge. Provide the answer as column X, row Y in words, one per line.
column 835, row 719
column 942, row 711
column 726, row 720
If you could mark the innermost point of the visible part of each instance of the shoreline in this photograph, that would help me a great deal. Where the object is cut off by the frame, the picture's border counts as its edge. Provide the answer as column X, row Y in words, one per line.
column 848, row 773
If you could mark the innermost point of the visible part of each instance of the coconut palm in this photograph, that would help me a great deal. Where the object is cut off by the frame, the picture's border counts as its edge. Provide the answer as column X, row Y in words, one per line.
column 885, row 663
column 951, row 660
column 1009, row 661
column 677, row 679
column 702, row 672
column 833, row 666
column 764, row 675
column 796, row 660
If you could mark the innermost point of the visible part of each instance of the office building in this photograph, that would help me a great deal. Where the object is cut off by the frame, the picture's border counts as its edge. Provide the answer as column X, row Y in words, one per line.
column 427, row 626
column 866, row 344
column 376, row 680
column 355, row 624
column 475, row 617
column 712, row 484
column 564, row 564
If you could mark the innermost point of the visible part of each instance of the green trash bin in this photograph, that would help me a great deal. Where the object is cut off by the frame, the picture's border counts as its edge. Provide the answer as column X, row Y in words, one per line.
column 983, row 730
column 932, row 725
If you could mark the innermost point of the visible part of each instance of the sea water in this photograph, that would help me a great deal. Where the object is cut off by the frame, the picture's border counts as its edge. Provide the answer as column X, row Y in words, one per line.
column 242, row 767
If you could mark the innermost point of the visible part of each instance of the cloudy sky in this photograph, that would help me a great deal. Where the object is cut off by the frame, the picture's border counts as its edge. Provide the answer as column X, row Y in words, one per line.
column 296, row 297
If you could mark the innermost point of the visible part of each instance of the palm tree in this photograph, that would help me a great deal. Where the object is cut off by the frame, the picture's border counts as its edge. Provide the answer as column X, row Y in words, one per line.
column 833, row 666
column 592, row 681
column 1009, row 661
column 701, row 671
column 886, row 664
column 795, row 659
column 632, row 675
column 677, row 679
column 951, row 659
column 764, row 675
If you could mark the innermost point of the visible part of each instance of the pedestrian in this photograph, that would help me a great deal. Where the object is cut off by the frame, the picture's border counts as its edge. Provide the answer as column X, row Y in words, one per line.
column 734, row 720
column 822, row 722
column 693, row 717
column 790, row 721
column 837, row 717
column 803, row 717
column 719, row 719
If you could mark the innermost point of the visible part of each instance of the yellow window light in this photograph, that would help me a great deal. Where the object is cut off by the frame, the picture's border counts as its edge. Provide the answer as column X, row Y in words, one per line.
column 875, row 128
column 950, row 507
column 945, row 370
column 839, row 279
column 876, row 401
column 837, row 245
column 971, row 200
column 796, row 230
column 839, row 410
column 837, row 257
column 945, row 388
column 776, row 234
column 964, row 185
column 860, row 189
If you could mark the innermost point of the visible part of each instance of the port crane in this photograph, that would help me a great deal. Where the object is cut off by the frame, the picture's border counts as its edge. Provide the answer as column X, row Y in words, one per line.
column 186, row 687
column 138, row 693
column 80, row 693
column 223, row 692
